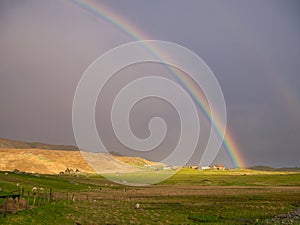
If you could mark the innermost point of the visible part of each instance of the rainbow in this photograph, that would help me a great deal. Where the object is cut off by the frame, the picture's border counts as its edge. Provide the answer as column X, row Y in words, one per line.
column 100, row 10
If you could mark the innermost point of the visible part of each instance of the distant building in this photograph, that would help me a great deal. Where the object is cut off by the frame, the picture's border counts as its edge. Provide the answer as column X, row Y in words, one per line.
column 219, row 167
column 205, row 167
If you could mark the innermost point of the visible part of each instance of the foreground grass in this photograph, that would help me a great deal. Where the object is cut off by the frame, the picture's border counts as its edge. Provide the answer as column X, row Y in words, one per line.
column 212, row 209
column 189, row 197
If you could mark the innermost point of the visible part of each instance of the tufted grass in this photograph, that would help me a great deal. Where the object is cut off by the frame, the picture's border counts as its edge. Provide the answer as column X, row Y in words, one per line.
column 189, row 197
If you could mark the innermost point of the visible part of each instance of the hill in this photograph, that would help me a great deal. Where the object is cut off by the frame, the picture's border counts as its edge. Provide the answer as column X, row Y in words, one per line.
column 41, row 160
column 44, row 161
column 267, row 168
column 262, row 168
column 53, row 159
column 7, row 143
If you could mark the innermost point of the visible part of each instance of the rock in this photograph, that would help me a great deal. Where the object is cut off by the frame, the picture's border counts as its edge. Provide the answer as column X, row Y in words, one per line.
column 137, row 206
column 292, row 217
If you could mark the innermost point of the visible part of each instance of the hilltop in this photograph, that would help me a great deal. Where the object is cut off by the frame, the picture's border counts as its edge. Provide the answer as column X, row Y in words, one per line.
column 7, row 143
column 268, row 168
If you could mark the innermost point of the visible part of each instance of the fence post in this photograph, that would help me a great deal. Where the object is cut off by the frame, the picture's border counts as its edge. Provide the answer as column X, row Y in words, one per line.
column 28, row 199
column 39, row 199
column 51, row 195
column 34, row 198
column 6, row 207
column 18, row 203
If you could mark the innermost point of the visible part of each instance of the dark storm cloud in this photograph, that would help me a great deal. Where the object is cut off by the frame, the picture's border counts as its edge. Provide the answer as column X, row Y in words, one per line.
column 252, row 47
column 45, row 48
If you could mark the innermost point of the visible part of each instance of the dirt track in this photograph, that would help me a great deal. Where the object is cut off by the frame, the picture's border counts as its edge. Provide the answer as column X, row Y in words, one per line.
column 178, row 190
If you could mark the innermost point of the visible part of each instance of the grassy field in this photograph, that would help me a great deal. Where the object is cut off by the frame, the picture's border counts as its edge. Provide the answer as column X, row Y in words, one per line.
column 190, row 197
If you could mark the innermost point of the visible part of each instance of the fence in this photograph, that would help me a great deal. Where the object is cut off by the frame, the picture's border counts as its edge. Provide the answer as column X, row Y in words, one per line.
column 14, row 200
column 20, row 199
column 40, row 197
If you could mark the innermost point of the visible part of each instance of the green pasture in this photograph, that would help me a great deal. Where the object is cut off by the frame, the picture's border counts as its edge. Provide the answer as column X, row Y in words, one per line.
column 190, row 197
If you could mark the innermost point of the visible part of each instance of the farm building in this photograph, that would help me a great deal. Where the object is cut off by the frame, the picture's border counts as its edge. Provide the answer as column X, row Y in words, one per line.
column 219, row 167
column 205, row 167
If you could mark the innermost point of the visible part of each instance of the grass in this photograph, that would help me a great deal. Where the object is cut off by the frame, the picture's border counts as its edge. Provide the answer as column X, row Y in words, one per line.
column 189, row 197
column 161, row 210
column 238, row 177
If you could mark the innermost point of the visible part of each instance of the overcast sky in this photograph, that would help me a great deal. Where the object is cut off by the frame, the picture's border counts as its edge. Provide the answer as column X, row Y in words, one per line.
column 252, row 47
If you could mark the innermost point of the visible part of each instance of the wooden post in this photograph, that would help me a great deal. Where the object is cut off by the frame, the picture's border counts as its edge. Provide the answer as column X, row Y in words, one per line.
column 28, row 198
column 18, row 203
column 6, row 207
column 51, row 195
column 39, row 199
column 34, row 198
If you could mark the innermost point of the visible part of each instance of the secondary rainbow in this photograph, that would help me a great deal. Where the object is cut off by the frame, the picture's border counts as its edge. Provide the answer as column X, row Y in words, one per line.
column 100, row 10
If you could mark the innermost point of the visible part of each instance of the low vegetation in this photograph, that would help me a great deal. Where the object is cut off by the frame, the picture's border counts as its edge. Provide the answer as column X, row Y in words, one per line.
column 190, row 197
